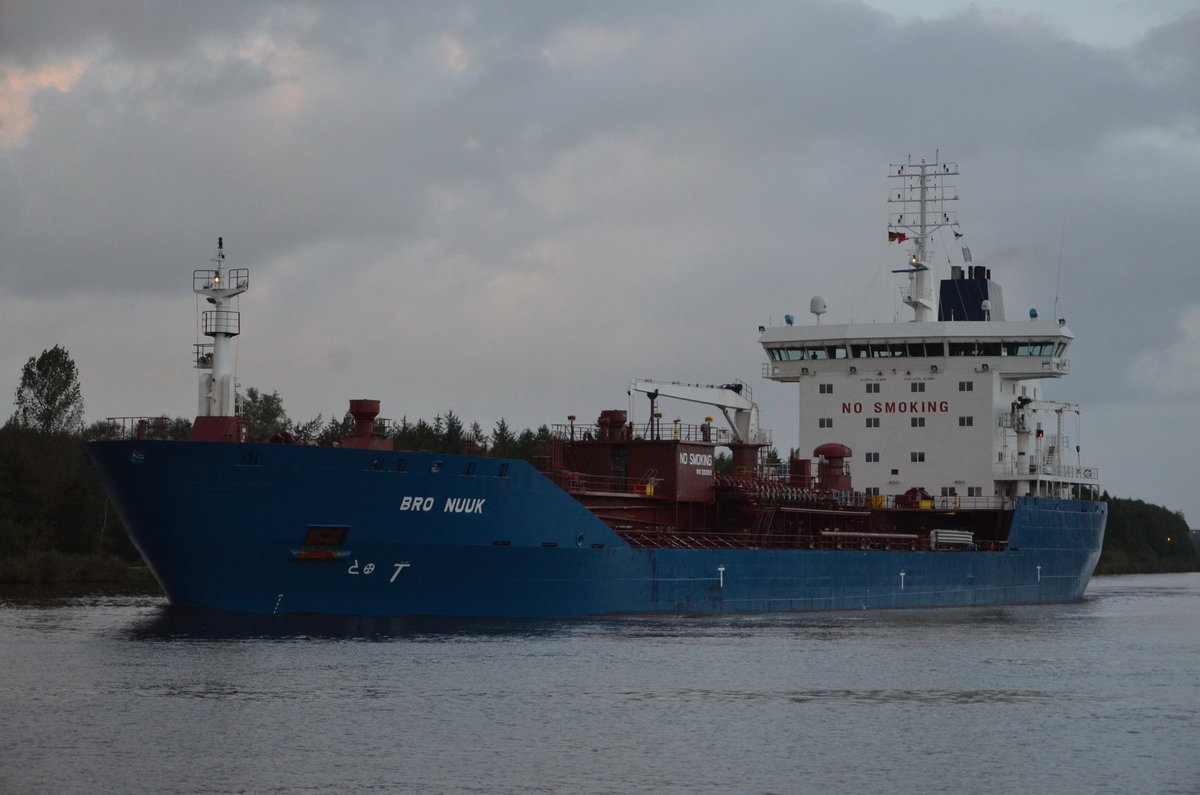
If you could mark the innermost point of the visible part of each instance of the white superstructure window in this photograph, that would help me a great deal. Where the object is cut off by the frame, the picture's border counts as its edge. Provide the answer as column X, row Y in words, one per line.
column 825, row 422
column 974, row 491
column 966, row 422
column 825, row 389
column 917, row 458
column 918, row 422
column 872, row 422
column 966, row 386
column 872, row 388
column 872, row 458
column 918, row 386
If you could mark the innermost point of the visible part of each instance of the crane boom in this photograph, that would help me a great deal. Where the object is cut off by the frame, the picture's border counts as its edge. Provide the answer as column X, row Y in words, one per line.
column 739, row 410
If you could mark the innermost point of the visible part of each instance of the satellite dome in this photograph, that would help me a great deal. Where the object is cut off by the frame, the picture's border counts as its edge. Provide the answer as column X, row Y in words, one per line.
column 817, row 305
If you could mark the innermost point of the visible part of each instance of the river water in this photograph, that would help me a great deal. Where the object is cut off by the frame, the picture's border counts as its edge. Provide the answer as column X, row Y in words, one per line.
column 122, row 694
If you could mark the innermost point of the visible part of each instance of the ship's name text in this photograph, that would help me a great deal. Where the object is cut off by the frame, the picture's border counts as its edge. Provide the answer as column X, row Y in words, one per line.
column 899, row 407
column 452, row 504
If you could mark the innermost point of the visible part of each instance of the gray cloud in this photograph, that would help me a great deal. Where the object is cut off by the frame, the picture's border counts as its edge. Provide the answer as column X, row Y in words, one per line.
column 512, row 208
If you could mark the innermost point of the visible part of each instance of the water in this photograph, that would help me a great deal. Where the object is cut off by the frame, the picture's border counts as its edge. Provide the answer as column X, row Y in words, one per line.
column 123, row 694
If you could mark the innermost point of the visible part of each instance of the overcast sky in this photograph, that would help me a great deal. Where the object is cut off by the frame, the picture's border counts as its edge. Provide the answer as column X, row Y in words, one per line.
column 509, row 209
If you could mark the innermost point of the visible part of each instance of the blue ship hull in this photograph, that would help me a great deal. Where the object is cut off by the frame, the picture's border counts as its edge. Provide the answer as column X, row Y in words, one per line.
column 223, row 525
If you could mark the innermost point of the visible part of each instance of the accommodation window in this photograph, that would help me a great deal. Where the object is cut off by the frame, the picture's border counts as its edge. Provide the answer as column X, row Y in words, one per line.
column 916, row 458
column 872, row 458
column 825, row 422
column 825, row 389
column 966, row 422
column 918, row 386
column 918, row 422
column 948, row 491
column 872, row 422
column 966, row 386
column 974, row 491
column 872, row 388
column 874, row 490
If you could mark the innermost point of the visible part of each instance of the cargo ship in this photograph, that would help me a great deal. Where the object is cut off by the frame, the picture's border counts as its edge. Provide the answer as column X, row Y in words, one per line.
column 935, row 472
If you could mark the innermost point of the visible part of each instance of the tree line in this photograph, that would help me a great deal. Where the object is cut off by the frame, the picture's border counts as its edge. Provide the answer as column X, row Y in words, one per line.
column 447, row 433
column 57, row 525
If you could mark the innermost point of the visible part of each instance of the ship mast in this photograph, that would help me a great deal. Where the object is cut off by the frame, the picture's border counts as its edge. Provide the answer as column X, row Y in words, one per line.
column 922, row 196
column 215, row 360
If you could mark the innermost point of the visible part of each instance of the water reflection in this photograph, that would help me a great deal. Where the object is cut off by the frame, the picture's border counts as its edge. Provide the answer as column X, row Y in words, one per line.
column 191, row 623
column 167, row 622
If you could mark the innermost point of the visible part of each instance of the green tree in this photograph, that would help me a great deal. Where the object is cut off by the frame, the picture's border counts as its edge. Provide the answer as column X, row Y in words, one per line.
column 264, row 413
column 503, row 441
column 335, row 430
column 477, row 439
column 308, row 432
column 49, row 398
column 452, row 433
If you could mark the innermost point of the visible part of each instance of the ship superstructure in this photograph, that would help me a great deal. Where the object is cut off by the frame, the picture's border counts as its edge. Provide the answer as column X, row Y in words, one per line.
column 918, row 401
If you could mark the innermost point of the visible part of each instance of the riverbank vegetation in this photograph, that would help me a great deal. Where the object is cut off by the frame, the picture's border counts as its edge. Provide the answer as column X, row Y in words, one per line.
column 1145, row 539
column 56, row 525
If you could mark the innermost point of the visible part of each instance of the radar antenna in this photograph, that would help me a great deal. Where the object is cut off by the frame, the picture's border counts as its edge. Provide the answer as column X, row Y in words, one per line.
column 922, row 196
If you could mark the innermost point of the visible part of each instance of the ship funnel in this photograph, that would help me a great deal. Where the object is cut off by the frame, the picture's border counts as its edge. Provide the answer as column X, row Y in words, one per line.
column 364, row 413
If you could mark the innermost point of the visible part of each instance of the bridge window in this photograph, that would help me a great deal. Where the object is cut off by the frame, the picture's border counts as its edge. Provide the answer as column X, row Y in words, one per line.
column 888, row 350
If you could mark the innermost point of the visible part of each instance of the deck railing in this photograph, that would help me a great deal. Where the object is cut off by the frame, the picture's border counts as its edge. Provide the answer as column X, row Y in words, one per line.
column 676, row 431
column 141, row 428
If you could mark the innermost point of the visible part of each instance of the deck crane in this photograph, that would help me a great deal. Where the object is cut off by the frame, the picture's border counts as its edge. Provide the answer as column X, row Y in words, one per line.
column 735, row 404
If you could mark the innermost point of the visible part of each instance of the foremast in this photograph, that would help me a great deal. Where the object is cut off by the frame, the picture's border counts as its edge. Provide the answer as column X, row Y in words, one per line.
column 922, row 196
column 216, row 410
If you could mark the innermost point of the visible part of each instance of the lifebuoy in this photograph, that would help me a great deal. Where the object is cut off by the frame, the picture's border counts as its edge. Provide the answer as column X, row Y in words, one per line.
column 1087, row 473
